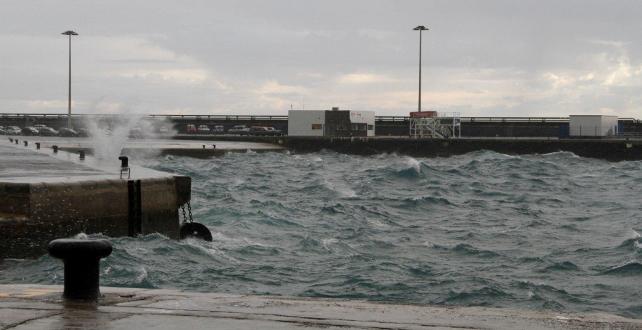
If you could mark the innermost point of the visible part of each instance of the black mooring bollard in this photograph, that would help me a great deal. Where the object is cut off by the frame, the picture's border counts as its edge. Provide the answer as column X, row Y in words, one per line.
column 214, row 146
column 82, row 154
column 124, row 167
column 82, row 265
column 37, row 145
column 55, row 149
column 10, row 140
column 17, row 141
column 26, row 143
column 124, row 161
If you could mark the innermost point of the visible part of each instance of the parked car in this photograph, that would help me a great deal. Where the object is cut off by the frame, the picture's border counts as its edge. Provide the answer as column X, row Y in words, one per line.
column 203, row 129
column 164, row 130
column 67, row 132
column 83, row 132
column 191, row 129
column 239, row 129
column 273, row 131
column 136, row 133
column 12, row 130
column 264, row 131
column 29, row 131
column 218, row 129
column 47, row 131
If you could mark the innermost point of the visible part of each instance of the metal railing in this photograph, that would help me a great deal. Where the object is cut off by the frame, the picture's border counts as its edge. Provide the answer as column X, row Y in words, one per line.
column 285, row 117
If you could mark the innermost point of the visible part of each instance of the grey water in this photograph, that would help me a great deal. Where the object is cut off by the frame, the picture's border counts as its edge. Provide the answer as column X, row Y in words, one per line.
column 544, row 232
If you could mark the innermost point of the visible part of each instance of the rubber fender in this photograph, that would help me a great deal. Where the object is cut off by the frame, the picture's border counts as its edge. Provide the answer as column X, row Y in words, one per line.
column 196, row 230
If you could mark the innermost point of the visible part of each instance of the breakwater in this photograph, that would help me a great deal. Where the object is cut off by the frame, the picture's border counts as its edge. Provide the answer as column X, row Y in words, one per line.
column 609, row 149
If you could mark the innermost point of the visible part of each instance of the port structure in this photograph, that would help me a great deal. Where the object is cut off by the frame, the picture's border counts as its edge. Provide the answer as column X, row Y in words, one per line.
column 430, row 124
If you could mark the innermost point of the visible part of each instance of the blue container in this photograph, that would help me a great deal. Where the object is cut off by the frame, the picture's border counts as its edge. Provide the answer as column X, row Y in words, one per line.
column 564, row 130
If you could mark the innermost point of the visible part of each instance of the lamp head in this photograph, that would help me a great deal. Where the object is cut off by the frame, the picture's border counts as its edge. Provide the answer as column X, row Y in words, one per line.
column 421, row 28
column 70, row 33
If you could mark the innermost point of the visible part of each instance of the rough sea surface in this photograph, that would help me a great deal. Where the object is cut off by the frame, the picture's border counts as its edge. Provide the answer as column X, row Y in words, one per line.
column 553, row 232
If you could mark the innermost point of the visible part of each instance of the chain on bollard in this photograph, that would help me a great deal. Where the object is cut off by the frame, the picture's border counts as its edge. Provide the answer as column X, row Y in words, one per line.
column 189, row 209
column 184, row 214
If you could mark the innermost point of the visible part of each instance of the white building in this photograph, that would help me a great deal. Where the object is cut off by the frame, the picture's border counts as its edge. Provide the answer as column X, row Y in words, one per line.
column 593, row 125
column 366, row 118
column 306, row 122
column 333, row 122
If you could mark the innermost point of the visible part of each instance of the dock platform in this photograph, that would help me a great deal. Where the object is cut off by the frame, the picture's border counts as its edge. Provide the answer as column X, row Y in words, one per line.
column 41, row 307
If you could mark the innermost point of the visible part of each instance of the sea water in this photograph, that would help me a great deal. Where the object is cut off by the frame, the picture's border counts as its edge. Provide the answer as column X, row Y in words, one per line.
column 551, row 232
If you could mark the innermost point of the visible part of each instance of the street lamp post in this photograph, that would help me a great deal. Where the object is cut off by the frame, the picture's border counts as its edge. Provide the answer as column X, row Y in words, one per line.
column 69, row 33
column 420, row 28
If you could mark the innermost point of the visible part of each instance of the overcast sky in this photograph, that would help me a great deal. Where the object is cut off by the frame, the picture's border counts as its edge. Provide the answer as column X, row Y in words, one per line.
column 481, row 58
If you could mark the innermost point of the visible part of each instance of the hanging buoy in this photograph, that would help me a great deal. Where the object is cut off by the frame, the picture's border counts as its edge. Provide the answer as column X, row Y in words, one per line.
column 195, row 230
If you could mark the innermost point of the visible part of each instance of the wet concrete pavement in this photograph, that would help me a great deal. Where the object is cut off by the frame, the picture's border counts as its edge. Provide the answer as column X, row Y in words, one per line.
column 19, row 164
column 40, row 307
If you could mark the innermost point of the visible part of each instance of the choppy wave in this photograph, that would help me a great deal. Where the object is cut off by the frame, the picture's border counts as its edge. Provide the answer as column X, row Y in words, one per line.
column 630, row 268
column 552, row 231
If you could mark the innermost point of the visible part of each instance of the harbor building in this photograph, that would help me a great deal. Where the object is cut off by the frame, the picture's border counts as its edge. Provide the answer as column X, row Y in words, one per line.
column 331, row 123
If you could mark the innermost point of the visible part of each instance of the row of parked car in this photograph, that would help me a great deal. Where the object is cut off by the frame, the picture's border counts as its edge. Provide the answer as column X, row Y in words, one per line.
column 41, row 130
column 237, row 129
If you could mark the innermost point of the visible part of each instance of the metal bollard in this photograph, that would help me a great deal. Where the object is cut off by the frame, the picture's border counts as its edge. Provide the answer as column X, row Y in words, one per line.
column 10, row 140
column 124, row 167
column 82, row 267
column 82, row 154
column 203, row 146
column 17, row 141
column 55, row 149
column 37, row 145
column 26, row 143
column 124, row 161
column 214, row 146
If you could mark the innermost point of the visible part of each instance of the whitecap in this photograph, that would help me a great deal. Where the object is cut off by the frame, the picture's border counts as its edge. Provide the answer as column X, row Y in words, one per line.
column 142, row 274
column 326, row 242
column 413, row 163
column 340, row 187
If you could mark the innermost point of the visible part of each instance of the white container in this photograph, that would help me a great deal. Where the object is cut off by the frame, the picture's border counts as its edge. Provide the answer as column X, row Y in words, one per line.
column 306, row 122
column 593, row 125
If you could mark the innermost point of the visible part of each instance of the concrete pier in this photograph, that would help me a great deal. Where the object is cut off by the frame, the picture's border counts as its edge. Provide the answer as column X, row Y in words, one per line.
column 41, row 307
column 200, row 148
column 46, row 196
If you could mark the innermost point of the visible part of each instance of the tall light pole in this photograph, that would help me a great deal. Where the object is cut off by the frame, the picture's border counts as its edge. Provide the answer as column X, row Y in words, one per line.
column 420, row 28
column 69, row 33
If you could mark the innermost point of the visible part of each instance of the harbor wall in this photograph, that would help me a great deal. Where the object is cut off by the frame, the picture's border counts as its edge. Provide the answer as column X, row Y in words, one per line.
column 32, row 214
column 609, row 149
column 614, row 150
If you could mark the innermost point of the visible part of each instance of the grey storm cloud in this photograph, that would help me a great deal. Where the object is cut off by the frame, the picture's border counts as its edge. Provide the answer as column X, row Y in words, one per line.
column 508, row 58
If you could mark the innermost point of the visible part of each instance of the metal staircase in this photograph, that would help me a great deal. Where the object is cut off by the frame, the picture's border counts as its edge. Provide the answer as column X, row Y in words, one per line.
column 444, row 126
